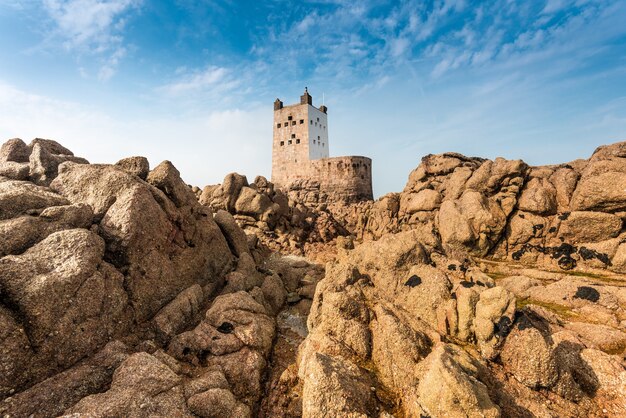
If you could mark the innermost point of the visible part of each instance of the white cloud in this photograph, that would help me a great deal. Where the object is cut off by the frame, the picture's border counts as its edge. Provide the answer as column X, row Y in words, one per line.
column 213, row 79
column 553, row 6
column 91, row 27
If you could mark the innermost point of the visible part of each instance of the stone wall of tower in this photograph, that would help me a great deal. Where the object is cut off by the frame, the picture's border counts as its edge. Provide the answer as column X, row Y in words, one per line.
column 328, row 180
column 290, row 148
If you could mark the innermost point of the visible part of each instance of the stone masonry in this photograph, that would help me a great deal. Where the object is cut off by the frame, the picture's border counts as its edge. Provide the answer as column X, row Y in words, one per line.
column 300, row 156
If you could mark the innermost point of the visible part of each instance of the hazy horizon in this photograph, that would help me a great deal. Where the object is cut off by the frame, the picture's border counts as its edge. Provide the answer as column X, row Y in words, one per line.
column 194, row 82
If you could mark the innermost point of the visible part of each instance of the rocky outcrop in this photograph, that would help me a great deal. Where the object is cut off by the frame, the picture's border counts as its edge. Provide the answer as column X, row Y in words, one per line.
column 563, row 217
column 37, row 162
column 126, row 292
column 91, row 254
column 270, row 216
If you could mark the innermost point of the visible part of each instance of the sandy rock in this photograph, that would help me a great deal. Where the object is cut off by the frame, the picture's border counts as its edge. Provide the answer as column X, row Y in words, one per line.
column 425, row 200
column 218, row 403
column 344, row 317
column 473, row 223
column 14, row 150
column 175, row 316
column 274, row 292
column 16, row 353
column 449, row 386
column 466, row 300
column 564, row 180
column 539, row 196
column 167, row 178
column 250, row 202
column 137, row 166
column 14, row 170
column 494, row 317
column 590, row 227
column 519, row 285
column 335, row 387
column 397, row 350
column 17, row 234
column 146, row 235
column 45, row 158
column 212, row 379
column 142, row 387
column 528, row 356
column 599, row 336
column 20, row 197
column 59, row 392
column 610, row 377
column 70, row 300
column 234, row 235
column 233, row 322
column 604, row 190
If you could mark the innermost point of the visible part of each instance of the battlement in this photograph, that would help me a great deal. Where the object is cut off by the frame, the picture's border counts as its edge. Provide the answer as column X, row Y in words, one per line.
column 301, row 154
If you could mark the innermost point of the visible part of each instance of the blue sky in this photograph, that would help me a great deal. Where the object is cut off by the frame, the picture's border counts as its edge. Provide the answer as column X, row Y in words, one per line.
column 194, row 81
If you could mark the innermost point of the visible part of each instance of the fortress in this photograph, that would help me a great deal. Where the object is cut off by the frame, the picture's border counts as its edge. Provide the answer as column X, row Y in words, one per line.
column 300, row 157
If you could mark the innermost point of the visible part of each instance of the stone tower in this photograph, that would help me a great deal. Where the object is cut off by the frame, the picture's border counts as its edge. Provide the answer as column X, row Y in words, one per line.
column 301, row 165
column 300, row 135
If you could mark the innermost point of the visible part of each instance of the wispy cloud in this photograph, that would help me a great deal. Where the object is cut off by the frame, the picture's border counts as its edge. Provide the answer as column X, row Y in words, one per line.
column 91, row 27
column 213, row 79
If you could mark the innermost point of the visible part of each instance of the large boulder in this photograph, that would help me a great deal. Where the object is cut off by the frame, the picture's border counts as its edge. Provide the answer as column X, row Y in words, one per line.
column 14, row 150
column 142, row 386
column 18, row 234
column 158, row 235
column 336, row 387
column 602, row 187
column 61, row 391
column 450, row 386
column 21, row 198
column 538, row 196
column 70, row 302
column 472, row 223
column 495, row 311
column 528, row 355
column 585, row 227
column 137, row 166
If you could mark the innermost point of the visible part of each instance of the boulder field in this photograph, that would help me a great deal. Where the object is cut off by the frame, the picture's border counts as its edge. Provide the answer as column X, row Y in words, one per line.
column 484, row 289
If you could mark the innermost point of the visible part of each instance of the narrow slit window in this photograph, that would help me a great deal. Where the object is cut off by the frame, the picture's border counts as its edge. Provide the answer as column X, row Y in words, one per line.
column 282, row 143
column 311, row 121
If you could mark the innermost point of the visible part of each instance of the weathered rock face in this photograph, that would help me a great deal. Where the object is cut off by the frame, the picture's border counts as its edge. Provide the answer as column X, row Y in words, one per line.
column 122, row 295
column 567, row 216
column 267, row 214
column 37, row 162
column 155, row 232
column 104, row 252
